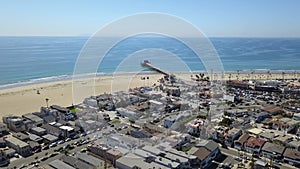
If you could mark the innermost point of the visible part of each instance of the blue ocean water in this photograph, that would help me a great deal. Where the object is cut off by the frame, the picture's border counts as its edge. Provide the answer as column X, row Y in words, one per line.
column 39, row 59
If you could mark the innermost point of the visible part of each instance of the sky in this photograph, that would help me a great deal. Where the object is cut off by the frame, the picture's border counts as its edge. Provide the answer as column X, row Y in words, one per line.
column 215, row 18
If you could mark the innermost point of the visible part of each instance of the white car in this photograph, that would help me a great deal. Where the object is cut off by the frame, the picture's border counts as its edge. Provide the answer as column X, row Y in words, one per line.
column 68, row 139
column 61, row 142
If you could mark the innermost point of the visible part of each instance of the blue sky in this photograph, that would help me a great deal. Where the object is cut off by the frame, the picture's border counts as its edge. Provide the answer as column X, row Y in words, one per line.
column 215, row 18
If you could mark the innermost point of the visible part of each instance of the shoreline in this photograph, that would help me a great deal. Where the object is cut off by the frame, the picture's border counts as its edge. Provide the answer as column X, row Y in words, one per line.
column 61, row 78
column 24, row 99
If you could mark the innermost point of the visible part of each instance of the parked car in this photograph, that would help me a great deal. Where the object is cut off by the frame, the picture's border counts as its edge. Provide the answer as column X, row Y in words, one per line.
column 61, row 142
column 68, row 139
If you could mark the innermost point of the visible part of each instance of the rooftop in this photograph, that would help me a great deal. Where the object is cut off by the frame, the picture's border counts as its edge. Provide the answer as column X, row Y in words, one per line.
column 292, row 154
column 271, row 147
column 255, row 142
column 16, row 141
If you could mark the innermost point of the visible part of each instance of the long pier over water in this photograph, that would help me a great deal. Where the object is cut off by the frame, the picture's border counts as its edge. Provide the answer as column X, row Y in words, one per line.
column 147, row 64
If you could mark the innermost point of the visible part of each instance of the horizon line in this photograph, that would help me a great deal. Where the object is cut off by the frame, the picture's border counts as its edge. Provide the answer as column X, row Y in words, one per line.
column 87, row 36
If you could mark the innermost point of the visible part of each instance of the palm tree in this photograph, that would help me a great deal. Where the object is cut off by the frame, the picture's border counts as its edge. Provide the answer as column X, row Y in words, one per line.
column 47, row 100
column 238, row 74
column 252, row 74
column 283, row 73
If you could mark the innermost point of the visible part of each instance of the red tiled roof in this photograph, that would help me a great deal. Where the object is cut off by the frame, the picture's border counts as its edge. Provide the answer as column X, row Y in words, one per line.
column 255, row 142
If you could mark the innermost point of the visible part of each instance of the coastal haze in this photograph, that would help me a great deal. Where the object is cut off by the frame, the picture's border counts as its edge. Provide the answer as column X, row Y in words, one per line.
column 166, row 85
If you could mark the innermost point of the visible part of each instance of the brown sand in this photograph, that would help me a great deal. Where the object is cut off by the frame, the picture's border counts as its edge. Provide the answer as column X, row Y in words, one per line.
column 21, row 100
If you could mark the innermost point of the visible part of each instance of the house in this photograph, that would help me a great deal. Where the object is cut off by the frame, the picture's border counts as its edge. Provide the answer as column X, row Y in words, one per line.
column 260, row 165
column 4, row 160
column 206, row 151
column 255, row 132
column 285, row 124
column 282, row 139
column 53, row 130
column 239, row 144
column 72, row 161
column 254, row 144
column 164, row 158
column 238, row 84
column 105, row 152
column 169, row 121
column 37, row 121
column 133, row 161
column 292, row 157
column 140, row 133
column 203, row 155
column 38, row 131
column 20, row 146
column 48, row 138
column 3, row 129
column 232, row 135
column 58, row 164
column 67, row 131
column 21, row 136
column 270, row 150
column 14, row 123
column 267, row 135
column 127, row 113
column 294, row 144
column 272, row 109
column 91, row 160
column 261, row 117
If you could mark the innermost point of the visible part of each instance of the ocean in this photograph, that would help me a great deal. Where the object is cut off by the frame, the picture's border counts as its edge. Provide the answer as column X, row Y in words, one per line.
column 29, row 60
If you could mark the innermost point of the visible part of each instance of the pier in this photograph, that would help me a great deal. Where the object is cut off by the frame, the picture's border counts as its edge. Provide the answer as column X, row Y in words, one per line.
column 147, row 64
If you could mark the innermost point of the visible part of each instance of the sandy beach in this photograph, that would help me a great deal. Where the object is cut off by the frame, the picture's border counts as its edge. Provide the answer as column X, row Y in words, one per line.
column 22, row 100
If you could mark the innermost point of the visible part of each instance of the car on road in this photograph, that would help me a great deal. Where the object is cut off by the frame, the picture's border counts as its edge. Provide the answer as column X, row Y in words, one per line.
column 237, row 158
column 46, row 147
column 52, row 145
column 60, row 142
column 68, row 139
column 44, row 158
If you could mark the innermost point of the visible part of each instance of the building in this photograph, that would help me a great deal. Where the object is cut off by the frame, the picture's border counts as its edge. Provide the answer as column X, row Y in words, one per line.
column 3, row 129
column 232, row 135
column 58, row 164
column 292, row 157
column 14, row 123
column 78, row 164
column 271, row 150
column 21, row 147
column 105, row 152
column 239, row 144
column 267, row 135
column 49, row 138
column 132, row 161
column 67, row 131
column 272, row 109
column 254, row 145
column 37, row 121
column 4, row 160
column 38, row 131
column 91, row 160
column 203, row 156
column 53, row 130
column 169, row 121
column 127, row 113
column 285, row 124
